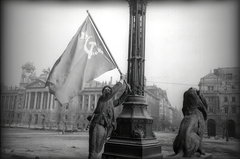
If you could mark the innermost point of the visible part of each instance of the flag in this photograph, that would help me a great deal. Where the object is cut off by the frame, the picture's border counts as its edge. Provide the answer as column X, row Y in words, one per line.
column 84, row 59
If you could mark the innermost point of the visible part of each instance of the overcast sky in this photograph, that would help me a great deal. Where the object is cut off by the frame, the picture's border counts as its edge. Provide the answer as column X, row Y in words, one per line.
column 184, row 40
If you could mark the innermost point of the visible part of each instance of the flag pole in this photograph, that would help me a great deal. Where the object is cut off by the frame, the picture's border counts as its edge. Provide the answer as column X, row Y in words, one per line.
column 104, row 42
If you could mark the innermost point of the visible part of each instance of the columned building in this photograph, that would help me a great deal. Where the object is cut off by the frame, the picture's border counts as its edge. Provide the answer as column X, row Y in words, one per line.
column 221, row 89
column 31, row 105
column 8, row 104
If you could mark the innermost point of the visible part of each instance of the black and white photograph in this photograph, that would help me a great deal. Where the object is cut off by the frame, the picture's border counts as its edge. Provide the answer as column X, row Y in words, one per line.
column 120, row 79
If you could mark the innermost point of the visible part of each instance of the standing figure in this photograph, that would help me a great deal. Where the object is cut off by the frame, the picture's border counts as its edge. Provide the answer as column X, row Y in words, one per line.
column 103, row 121
column 64, row 125
column 43, row 121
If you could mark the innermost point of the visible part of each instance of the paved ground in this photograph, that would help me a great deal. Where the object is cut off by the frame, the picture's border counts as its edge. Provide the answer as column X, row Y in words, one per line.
column 22, row 143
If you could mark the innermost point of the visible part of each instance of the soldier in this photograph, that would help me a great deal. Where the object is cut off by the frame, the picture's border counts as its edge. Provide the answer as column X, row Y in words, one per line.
column 64, row 125
column 103, row 121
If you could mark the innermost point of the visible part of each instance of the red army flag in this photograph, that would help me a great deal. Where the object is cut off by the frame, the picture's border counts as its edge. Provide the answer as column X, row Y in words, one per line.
column 84, row 59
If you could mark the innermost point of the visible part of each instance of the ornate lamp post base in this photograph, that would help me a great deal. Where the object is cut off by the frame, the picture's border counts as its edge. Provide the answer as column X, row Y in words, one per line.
column 133, row 137
column 134, row 149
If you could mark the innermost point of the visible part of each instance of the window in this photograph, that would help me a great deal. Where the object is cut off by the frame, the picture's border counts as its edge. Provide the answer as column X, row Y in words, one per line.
column 234, row 110
column 210, row 109
column 225, row 88
column 229, row 75
column 226, row 110
column 210, row 88
column 210, row 99
column 233, row 99
column 225, row 99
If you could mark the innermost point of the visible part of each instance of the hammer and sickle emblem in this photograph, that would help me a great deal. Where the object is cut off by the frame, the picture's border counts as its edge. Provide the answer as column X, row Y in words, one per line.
column 92, row 45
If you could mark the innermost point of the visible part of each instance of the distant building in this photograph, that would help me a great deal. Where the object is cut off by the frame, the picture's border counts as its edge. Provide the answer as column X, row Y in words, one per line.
column 164, row 112
column 222, row 89
column 31, row 105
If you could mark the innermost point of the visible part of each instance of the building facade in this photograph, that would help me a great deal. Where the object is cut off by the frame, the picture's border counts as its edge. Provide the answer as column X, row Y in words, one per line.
column 221, row 90
column 163, row 114
column 31, row 105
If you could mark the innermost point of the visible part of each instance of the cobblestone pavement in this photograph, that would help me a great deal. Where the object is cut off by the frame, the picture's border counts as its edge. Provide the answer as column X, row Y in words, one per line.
column 23, row 143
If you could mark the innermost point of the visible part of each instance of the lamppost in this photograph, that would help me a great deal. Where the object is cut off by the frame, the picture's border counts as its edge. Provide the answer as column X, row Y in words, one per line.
column 134, row 137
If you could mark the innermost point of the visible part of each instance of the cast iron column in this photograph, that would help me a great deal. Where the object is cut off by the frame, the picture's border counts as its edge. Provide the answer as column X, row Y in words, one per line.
column 134, row 137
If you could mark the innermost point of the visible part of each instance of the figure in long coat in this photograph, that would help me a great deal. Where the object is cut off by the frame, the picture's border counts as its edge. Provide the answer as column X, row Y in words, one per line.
column 103, row 120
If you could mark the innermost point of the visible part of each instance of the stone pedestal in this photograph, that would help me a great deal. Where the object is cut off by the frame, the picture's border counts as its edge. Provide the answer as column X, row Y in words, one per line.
column 132, row 149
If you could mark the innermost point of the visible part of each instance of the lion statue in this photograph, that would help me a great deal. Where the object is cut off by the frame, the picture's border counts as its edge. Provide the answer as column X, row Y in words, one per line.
column 189, row 138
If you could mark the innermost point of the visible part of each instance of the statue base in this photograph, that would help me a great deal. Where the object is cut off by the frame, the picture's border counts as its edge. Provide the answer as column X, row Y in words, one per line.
column 134, row 149
column 206, row 156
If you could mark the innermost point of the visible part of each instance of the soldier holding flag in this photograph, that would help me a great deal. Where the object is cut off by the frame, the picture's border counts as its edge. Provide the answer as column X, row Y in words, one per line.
column 104, row 122
column 86, row 58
